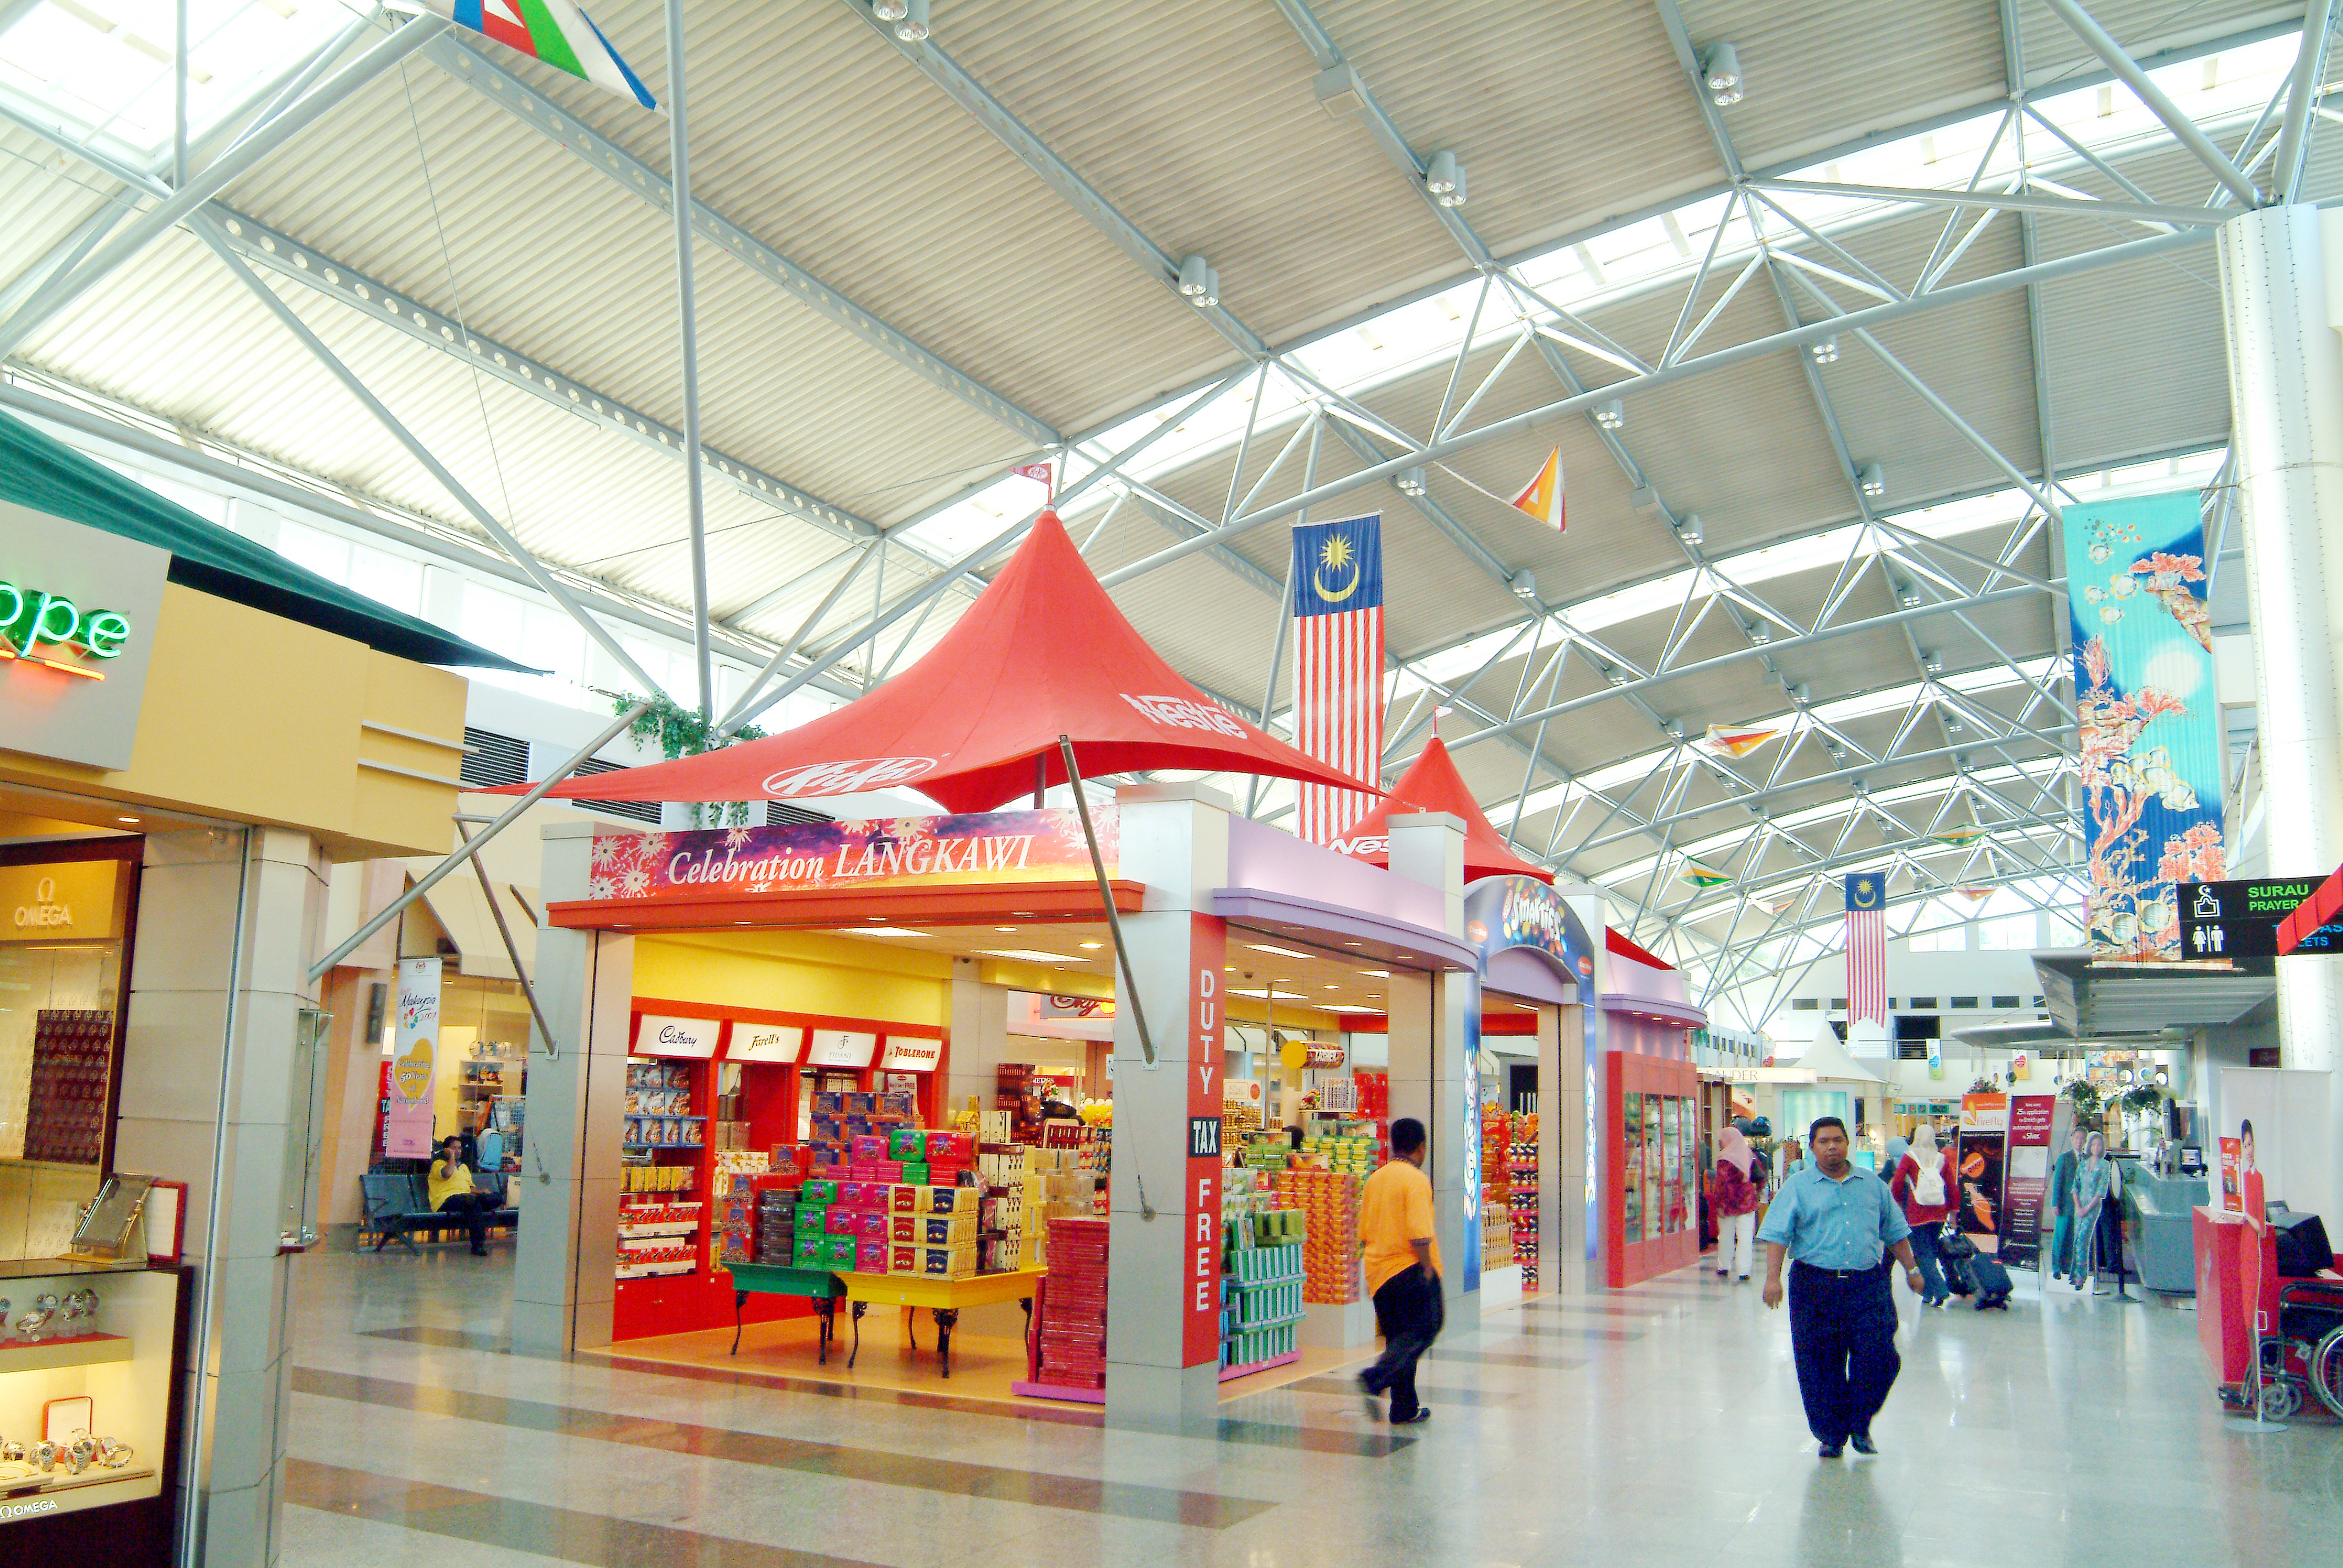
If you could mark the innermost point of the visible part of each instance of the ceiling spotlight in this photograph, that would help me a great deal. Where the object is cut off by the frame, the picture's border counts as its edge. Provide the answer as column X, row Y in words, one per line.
column 1691, row 531
column 1873, row 479
column 1200, row 282
column 1616, row 676
column 1444, row 180
column 1720, row 73
column 1612, row 415
column 1905, row 594
column 1825, row 350
column 1410, row 481
column 1761, row 635
column 1932, row 661
column 1524, row 585
column 911, row 25
column 1952, row 725
column 889, row 10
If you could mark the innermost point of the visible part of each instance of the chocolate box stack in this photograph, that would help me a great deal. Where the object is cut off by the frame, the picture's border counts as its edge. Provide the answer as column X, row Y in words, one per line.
column 1072, row 1328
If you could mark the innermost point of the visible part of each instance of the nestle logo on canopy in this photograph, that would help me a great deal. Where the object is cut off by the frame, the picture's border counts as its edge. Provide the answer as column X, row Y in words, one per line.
column 847, row 777
column 1185, row 713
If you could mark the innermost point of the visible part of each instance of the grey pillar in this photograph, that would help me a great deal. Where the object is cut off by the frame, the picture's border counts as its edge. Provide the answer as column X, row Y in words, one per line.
column 226, row 925
column 565, row 1270
column 2286, row 400
column 980, row 1039
column 1175, row 840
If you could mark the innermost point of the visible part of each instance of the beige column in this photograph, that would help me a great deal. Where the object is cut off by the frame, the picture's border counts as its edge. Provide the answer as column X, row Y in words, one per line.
column 227, row 924
column 979, row 1038
column 1428, row 847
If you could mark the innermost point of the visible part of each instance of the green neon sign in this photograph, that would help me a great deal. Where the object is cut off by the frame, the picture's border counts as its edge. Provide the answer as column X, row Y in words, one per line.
column 29, row 616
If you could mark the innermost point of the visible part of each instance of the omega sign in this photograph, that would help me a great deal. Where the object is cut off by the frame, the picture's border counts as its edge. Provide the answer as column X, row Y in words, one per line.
column 44, row 911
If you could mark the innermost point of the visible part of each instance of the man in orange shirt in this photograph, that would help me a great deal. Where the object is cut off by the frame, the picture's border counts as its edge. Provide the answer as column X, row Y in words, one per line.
column 1402, row 1269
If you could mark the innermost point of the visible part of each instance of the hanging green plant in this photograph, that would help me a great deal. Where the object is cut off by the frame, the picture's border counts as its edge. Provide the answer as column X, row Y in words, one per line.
column 679, row 732
column 2142, row 1098
column 2089, row 1103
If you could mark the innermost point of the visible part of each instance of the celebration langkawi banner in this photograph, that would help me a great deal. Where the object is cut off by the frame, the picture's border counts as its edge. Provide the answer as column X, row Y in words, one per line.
column 882, row 852
column 2149, row 719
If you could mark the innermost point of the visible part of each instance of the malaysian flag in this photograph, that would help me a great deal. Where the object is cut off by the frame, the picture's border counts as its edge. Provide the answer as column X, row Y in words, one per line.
column 1866, row 949
column 1338, row 666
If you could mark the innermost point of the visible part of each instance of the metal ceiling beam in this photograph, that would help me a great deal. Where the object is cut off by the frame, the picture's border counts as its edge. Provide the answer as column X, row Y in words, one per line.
column 221, row 172
column 2183, row 129
column 471, row 66
column 2021, row 201
column 679, row 154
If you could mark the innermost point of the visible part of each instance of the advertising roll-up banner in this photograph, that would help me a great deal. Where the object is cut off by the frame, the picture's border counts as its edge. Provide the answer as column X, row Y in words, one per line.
column 1979, row 1158
column 2149, row 722
column 2026, row 1175
column 414, row 1061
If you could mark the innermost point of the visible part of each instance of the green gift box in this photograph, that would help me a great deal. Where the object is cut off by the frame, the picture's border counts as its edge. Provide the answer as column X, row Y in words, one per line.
column 812, row 1219
column 839, row 1252
column 818, row 1193
column 915, row 1173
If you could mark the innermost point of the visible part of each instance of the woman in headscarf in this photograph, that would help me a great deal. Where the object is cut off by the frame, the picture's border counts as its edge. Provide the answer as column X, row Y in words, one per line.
column 1924, row 1183
column 2095, row 1182
column 1736, row 1202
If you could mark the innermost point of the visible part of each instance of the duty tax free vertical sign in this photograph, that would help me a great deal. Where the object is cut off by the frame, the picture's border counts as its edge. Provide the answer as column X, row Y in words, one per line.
column 1208, row 949
column 77, row 613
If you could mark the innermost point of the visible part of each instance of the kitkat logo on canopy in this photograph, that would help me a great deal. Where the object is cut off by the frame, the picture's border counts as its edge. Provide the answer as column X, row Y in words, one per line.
column 848, row 777
column 1185, row 713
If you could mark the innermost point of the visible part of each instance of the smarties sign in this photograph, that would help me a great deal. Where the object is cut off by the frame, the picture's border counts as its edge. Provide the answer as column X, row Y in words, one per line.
column 77, row 611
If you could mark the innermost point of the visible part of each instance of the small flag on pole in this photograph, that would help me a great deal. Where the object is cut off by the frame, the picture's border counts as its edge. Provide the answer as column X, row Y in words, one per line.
column 1701, row 876
column 554, row 31
column 1543, row 498
column 1040, row 474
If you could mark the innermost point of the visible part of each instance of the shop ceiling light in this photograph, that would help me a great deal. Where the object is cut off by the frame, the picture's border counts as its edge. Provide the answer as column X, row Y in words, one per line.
column 1720, row 73
column 1873, row 479
column 1092, row 947
column 1611, row 416
column 1004, row 928
column 878, row 931
column 1444, row 179
column 1825, row 350
column 911, row 26
column 1280, row 952
column 1028, row 955
column 1410, row 481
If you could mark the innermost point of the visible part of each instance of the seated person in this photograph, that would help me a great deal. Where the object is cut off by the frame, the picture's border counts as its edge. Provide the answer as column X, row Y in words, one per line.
column 453, row 1191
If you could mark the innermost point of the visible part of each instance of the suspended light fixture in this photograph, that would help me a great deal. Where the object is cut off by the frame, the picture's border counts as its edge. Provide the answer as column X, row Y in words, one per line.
column 1720, row 73
column 1616, row 676
column 1691, row 531
column 1932, row 661
column 1873, row 479
column 1524, row 585
column 911, row 20
column 1905, row 594
column 889, row 10
column 1201, row 282
column 1611, row 416
column 1825, row 350
column 1444, row 179
column 1410, row 481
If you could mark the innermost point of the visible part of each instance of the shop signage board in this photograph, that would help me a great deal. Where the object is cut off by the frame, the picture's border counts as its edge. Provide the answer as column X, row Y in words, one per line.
column 413, row 1059
column 77, row 612
column 766, row 1042
column 982, row 846
column 910, row 1053
column 2239, row 919
column 1200, row 1198
column 60, row 901
column 840, row 1048
column 684, row 1037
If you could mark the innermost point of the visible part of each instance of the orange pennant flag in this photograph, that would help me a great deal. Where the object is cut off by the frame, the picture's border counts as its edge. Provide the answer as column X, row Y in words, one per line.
column 1543, row 498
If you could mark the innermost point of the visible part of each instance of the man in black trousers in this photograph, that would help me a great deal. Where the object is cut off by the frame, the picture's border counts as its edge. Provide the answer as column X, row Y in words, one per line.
column 1402, row 1271
column 1837, row 1223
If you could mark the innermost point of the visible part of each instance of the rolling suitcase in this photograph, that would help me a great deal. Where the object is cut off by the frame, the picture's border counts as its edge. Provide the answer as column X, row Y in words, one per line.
column 1991, row 1280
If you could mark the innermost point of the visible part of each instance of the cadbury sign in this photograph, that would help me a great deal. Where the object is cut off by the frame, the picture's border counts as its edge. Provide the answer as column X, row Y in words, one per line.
column 1044, row 846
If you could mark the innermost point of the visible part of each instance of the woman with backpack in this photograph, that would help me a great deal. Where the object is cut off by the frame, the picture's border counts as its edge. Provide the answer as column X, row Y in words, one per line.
column 1737, row 1189
column 1923, row 1182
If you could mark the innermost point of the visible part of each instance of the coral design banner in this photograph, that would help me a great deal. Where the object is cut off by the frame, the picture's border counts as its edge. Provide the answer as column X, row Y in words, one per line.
column 2149, row 719
column 1044, row 846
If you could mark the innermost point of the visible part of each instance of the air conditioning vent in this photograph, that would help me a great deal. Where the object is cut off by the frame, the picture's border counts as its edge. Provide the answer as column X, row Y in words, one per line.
column 637, row 811
column 492, row 760
column 778, row 815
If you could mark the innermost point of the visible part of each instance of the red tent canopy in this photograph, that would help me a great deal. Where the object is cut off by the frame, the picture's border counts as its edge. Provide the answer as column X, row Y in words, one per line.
column 1432, row 784
column 1043, row 652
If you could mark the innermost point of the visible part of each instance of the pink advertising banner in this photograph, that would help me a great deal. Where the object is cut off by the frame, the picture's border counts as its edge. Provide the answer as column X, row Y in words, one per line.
column 1044, row 846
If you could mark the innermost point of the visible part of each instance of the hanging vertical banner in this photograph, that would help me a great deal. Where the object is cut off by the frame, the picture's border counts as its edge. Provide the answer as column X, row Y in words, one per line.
column 2149, row 719
column 414, row 1061
column 1867, row 949
column 1338, row 666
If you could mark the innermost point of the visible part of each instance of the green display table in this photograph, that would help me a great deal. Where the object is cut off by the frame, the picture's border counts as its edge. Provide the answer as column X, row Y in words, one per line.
column 822, row 1287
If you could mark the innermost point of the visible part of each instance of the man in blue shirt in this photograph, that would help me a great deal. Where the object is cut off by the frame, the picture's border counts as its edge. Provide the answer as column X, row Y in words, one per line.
column 1837, row 1223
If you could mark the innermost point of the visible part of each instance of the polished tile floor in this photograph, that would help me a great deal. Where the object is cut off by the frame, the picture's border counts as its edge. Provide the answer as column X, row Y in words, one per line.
column 1658, row 1425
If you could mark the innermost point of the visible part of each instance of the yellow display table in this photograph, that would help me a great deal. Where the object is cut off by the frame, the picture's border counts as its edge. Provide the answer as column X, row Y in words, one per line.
column 944, row 1298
